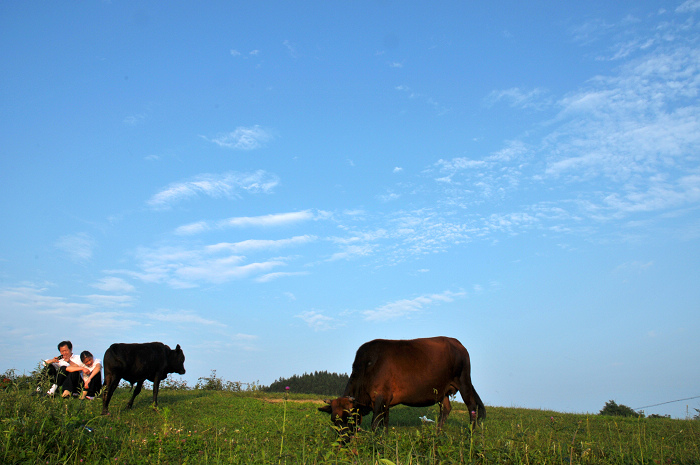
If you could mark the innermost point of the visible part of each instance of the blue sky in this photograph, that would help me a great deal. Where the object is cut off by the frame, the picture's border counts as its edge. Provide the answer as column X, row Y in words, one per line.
column 271, row 185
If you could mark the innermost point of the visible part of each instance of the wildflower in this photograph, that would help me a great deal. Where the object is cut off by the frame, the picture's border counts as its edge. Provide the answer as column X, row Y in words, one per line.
column 286, row 388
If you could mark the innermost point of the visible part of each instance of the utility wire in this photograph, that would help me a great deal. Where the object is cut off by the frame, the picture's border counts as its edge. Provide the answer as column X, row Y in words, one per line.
column 669, row 402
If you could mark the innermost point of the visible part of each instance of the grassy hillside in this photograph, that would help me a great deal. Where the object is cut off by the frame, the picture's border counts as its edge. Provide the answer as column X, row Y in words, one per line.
column 200, row 426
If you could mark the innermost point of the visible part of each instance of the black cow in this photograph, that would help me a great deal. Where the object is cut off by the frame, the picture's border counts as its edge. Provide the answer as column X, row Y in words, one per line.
column 416, row 372
column 139, row 362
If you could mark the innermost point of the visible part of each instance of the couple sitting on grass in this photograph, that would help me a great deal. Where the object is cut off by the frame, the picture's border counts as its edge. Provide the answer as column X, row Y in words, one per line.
column 65, row 371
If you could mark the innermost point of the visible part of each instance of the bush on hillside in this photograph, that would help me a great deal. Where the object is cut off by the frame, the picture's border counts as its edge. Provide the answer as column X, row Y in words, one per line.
column 614, row 410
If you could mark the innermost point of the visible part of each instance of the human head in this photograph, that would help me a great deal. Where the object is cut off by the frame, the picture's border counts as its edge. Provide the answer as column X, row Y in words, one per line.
column 65, row 343
column 66, row 349
column 86, row 357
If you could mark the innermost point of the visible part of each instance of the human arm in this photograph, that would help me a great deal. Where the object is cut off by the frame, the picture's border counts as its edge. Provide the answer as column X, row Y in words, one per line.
column 49, row 361
column 96, row 369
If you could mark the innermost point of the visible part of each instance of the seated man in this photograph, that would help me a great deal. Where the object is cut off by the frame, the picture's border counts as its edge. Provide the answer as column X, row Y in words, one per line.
column 92, row 375
column 63, row 370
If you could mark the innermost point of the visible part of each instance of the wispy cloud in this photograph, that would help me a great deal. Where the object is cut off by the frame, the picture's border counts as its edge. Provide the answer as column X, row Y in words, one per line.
column 262, row 221
column 621, row 146
column 243, row 138
column 689, row 6
column 135, row 120
column 36, row 299
column 182, row 317
column 109, row 301
column 113, row 284
column 536, row 99
column 79, row 246
column 228, row 185
column 291, row 48
column 413, row 95
column 252, row 245
column 318, row 321
column 279, row 219
column 280, row 274
column 187, row 266
column 407, row 307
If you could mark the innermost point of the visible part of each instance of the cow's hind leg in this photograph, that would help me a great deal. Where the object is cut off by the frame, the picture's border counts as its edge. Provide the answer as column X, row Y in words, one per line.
column 111, row 383
column 137, row 389
column 471, row 398
column 156, row 385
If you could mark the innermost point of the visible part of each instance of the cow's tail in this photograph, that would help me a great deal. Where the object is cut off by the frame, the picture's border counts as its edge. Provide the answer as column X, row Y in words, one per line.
column 480, row 409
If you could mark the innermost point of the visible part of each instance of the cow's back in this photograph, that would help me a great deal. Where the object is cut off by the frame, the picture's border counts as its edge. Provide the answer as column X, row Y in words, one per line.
column 410, row 369
column 134, row 362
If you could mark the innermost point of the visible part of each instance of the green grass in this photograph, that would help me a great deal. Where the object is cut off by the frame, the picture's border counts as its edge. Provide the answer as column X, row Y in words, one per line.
column 197, row 426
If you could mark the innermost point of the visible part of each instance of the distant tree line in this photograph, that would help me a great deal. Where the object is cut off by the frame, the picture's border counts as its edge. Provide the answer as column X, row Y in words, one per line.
column 318, row 382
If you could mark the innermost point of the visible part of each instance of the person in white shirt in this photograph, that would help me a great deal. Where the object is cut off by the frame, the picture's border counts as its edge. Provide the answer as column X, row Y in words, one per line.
column 92, row 375
column 63, row 370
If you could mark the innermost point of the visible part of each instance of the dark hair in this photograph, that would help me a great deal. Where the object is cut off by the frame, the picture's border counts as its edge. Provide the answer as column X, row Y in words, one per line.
column 85, row 354
column 65, row 343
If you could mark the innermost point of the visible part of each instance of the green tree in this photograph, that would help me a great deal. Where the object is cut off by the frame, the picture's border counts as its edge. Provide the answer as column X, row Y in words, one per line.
column 318, row 382
column 614, row 410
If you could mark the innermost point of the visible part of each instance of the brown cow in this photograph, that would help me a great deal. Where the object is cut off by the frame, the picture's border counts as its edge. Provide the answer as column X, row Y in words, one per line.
column 415, row 372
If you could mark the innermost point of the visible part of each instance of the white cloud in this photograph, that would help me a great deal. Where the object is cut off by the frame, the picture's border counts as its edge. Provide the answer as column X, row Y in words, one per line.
column 186, row 267
column 278, row 219
column 101, row 301
column 113, row 284
column 227, row 185
column 78, row 246
column 182, row 317
column 252, row 245
column 134, row 120
column 111, row 322
column 352, row 251
column 280, row 274
column 531, row 99
column 291, row 48
column 634, row 266
column 688, row 6
column 407, row 307
column 29, row 298
column 192, row 228
column 243, row 138
column 263, row 221
column 318, row 321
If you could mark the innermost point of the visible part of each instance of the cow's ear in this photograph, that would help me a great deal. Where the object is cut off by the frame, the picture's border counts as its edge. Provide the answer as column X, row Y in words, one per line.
column 178, row 348
column 325, row 408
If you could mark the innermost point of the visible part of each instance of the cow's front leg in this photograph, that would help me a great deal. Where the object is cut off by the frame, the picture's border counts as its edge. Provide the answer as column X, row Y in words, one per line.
column 111, row 383
column 380, row 413
column 137, row 389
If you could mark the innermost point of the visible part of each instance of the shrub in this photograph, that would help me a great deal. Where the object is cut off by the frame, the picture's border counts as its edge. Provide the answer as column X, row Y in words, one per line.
column 175, row 384
column 210, row 383
column 612, row 409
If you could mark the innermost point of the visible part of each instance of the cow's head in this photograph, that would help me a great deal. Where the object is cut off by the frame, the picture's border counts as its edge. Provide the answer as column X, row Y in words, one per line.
column 176, row 361
column 344, row 414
